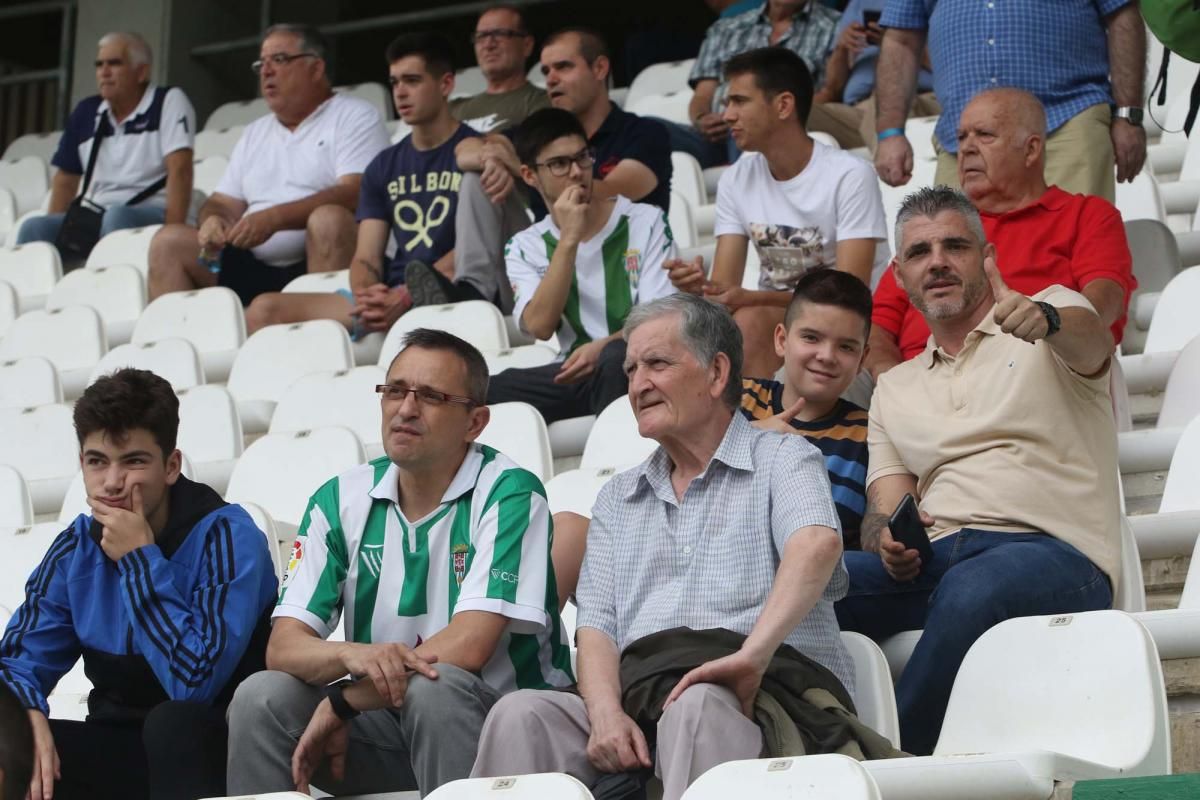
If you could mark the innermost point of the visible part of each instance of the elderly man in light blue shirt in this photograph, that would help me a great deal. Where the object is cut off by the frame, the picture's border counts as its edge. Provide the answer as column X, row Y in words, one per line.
column 724, row 526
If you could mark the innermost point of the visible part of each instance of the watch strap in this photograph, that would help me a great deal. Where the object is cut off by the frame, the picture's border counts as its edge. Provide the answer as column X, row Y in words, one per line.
column 1053, row 320
column 335, row 692
column 1131, row 114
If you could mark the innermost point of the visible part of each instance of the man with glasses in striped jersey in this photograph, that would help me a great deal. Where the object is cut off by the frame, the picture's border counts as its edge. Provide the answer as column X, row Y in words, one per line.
column 437, row 560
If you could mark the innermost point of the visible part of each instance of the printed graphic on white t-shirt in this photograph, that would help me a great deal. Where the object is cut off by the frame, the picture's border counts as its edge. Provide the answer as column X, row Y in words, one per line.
column 785, row 253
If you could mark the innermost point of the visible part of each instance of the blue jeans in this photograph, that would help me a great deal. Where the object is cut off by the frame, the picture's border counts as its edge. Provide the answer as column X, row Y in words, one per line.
column 685, row 138
column 116, row 218
column 977, row 579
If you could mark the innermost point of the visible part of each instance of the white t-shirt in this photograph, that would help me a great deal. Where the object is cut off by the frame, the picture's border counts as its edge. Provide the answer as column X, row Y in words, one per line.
column 272, row 165
column 616, row 269
column 795, row 225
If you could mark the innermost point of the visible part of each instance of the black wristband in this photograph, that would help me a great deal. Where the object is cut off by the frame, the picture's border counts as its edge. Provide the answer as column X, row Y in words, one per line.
column 1053, row 320
column 335, row 692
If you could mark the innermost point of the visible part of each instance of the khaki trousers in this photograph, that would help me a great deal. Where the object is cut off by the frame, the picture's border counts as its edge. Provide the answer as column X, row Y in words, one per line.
column 545, row 731
column 854, row 126
column 1079, row 156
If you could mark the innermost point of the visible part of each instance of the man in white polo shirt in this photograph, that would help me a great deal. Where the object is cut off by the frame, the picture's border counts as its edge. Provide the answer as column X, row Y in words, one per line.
column 285, row 205
column 438, row 557
column 142, row 173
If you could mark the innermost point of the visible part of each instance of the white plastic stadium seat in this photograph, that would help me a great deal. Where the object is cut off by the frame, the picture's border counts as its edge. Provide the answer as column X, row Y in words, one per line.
column 31, row 381
column 28, row 178
column 1141, row 199
column 374, row 93
column 672, row 106
column 476, row 321
column 175, row 360
column 32, row 269
column 612, row 445
column 275, row 357
column 10, row 306
column 210, row 433
column 810, row 778
column 687, row 178
column 16, row 509
column 280, row 471
column 1130, row 595
column 207, row 172
column 42, row 145
column 23, row 547
column 217, row 142
column 346, row 398
column 1150, row 449
column 874, row 696
column 235, row 113
column 72, row 339
column 211, row 319
column 529, row 355
column 518, row 431
column 919, row 131
column 117, row 292
column 320, row 282
column 1175, row 321
column 1030, row 707
column 467, row 82
column 40, row 443
column 667, row 76
column 540, row 786
column 130, row 246
column 8, row 213
column 266, row 524
column 682, row 222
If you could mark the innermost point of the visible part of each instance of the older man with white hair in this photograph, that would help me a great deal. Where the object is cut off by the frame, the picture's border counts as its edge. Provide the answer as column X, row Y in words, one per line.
column 130, row 146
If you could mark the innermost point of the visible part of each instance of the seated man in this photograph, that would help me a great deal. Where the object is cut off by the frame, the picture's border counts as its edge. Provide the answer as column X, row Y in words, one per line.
column 822, row 340
column 725, row 534
column 578, row 272
column 285, row 205
column 142, row 136
column 164, row 590
column 1009, row 448
column 803, row 205
column 409, row 192
column 437, row 555
column 1043, row 235
column 631, row 157
column 503, row 44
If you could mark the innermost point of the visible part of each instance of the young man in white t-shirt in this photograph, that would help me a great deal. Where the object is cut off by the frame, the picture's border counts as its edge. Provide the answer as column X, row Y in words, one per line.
column 802, row 204
column 285, row 205
column 577, row 273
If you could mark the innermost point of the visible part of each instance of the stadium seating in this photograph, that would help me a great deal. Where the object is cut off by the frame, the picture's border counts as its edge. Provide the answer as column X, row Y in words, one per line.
column 267, row 525
column 467, row 82
column 671, row 106
column 346, row 397
column 210, row 433
column 10, row 306
column 211, row 319
column 42, row 145
column 612, row 445
column 668, row 76
column 40, row 443
column 518, row 431
column 175, row 360
column 320, row 282
column 874, row 695
column 1151, row 448
column 374, row 93
column 683, row 224
column 8, row 212
column 23, row 548
column 16, row 509
column 32, row 269
column 207, row 172
column 539, row 786
column 1141, row 199
column 919, row 132
column 129, row 246
column 687, row 178
column 476, row 321
column 530, row 355
column 72, row 339
column 26, row 382
column 1173, row 530
column 811, row 778
column 117, row 292
column 217, row 141
column 28, row 179
column 235, row 113
column 1155, row 262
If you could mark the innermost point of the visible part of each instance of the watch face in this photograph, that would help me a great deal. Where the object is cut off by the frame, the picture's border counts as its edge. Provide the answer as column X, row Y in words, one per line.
column 1134, row 115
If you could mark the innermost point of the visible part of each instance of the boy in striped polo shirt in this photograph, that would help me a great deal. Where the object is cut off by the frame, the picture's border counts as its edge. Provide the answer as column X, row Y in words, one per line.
column 437, row 559
column 822, row 340
column 577, row 273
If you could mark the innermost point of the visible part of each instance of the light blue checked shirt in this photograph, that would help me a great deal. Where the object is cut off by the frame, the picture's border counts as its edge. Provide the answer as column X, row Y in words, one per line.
column 654, row 563
column 1056, row 49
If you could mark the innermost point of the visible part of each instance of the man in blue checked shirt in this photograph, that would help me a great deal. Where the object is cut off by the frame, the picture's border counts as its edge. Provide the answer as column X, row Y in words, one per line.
column 1083, row 59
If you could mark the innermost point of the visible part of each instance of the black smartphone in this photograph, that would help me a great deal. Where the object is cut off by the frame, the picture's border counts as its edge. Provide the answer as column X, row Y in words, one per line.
column 871, row 16
column 905, row 525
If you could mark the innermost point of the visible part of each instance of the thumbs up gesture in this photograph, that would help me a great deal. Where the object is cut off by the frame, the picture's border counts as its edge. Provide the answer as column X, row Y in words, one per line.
column 781, row 422
column 1016, row 314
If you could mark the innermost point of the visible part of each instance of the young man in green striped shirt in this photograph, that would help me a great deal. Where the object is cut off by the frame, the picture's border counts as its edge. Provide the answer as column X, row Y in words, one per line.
column 437, row 560
column 577, row 272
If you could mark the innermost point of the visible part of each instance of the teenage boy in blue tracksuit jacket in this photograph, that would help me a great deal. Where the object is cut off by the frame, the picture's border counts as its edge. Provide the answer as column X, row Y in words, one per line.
column 164, row 590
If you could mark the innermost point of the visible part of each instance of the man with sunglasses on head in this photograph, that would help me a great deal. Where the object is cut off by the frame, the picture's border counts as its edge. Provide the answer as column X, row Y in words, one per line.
column 436, row 559
column 502, row 45
column 285, row 205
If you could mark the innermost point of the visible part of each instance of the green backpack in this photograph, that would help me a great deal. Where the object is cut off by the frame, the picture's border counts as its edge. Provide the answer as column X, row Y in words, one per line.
column 1175, row 23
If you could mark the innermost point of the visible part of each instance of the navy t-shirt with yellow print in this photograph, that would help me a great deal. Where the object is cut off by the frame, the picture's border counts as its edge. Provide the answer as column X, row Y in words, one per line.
column 416, row 192
column 841, row 436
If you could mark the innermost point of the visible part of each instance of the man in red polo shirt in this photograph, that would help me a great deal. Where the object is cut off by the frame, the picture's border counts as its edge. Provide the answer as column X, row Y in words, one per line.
column 1042, row 234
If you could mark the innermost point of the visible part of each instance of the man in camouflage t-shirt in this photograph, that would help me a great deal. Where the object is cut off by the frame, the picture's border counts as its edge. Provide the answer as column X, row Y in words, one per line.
column 436, row 558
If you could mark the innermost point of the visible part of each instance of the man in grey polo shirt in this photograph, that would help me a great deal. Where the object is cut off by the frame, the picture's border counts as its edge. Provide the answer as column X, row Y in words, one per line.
column 724, row 526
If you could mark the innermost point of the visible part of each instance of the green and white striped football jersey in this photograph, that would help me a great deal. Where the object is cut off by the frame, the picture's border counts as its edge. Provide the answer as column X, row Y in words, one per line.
column 615, row 269
column 486, row 547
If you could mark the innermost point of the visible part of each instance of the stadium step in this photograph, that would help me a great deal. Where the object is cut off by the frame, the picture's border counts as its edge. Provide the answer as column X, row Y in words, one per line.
column 1165, row 787
column 1164, row 582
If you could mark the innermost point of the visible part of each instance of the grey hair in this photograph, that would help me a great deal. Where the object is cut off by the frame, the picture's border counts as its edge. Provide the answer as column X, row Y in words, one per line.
column 136, row 47
column 933, row 200
column 705, row 328
column 311, row 39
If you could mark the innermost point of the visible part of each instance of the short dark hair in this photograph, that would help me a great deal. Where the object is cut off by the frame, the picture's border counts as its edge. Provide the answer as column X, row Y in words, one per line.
column 522, row 24
column 431, row 339
column 16, row 745
column 543, row 127
column 311, row 39
column 776, row 70
column 830, row 287
column 591, row 43
column 126, row 400
column 434, row 48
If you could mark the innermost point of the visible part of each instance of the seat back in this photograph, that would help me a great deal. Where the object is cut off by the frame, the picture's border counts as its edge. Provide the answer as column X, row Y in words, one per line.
column 667, row 76
column 175, row 360
column 874, row 695
column 687, row 178
column 320, row 282
column 468, row 81
column 539, row 786
column 1179, row 404
column 70, row 338
column 820, row 777
column 1155, row 254
column 1130, row 595
column 576, row 490
column 281, row 471
column 42, row 145
column 28, row 178
column 10, row 306
column 1182, row 489
column 1088, row 686
column 519, row 431
column 476, row 321
column 33, row 270
column 28, row 382
column 264, row 522
column 276, row 356
column 374, row 93
column 211, row 319
column 1140, row 199
column 209, row 427
column 40, row 443
column 345, row 397
column 672, row 105
column 1175, row 321
column 23, row 547
column 117, row 292
column 614, row 440
column 207, row 172
column 235, row 113
column 217, row 142
column 128, row 246
column 16, row 509
column 919, row 131
column 682, row 221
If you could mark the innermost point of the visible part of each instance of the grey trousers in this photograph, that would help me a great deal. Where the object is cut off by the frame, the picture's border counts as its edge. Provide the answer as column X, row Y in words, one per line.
column 430, row 741
column 542, row 731
column 481, row 229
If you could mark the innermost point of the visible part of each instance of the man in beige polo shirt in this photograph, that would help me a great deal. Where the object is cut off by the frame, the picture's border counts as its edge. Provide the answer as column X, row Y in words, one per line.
column 1003, row 431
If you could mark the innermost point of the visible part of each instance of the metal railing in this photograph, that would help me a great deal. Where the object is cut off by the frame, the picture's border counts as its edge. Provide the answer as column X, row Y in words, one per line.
column 16, row 105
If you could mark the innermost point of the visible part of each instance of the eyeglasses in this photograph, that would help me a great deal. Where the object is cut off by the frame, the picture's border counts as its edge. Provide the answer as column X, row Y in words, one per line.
column 395, row 393
column 278, row 59
column 559, row 166
column 497, row 33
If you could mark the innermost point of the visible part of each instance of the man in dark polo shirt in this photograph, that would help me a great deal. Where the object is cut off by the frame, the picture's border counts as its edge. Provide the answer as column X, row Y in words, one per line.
column 632, row 158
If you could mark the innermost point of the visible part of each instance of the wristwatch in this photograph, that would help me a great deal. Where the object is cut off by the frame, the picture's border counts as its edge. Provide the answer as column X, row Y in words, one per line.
column 337, row 700
column 1131, row 114
column 1053, row 320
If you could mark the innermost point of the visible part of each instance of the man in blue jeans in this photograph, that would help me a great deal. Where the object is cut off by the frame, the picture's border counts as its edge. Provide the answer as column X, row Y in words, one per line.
column 1003, row 431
